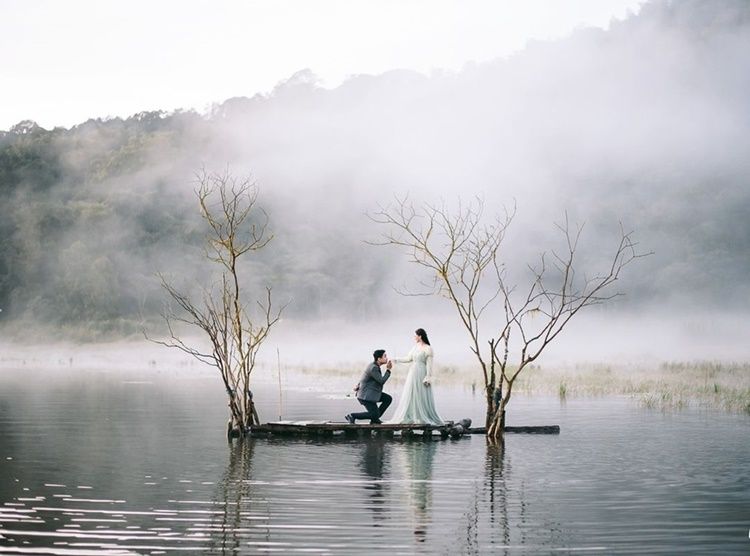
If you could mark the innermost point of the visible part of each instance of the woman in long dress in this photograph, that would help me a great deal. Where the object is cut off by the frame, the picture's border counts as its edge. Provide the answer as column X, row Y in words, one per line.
column 417, row 404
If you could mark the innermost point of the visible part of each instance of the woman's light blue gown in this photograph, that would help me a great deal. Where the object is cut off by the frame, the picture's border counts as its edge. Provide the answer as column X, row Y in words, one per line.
column 417, row 404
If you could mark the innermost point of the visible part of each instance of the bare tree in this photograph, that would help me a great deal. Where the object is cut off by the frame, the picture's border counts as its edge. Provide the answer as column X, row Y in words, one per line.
column 538, row 314
column 237, row 227
column 461, row 251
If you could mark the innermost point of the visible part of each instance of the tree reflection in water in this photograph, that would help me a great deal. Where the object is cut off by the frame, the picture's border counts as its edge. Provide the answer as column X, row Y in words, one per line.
column 234, row 502
column 495, row 487
column 489, row 504
column 498, row 514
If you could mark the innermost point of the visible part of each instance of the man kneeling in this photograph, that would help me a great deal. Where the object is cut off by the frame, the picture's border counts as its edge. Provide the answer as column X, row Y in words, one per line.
column 370, row 390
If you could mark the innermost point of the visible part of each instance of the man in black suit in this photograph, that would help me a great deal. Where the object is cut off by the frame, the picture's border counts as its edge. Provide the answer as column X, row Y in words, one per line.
column 370, row 390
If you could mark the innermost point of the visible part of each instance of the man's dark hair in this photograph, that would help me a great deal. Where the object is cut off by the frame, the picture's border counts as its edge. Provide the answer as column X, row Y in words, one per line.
column 377, row 354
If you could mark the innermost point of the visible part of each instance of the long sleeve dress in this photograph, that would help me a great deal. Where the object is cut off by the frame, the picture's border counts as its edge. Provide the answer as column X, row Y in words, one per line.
column 417, row 404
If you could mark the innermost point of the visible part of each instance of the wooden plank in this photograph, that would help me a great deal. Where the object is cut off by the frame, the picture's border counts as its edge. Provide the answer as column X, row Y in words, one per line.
column 328, row 428
column 384, row 426
column 330, row 425
column 314, row 427
column 543, row 429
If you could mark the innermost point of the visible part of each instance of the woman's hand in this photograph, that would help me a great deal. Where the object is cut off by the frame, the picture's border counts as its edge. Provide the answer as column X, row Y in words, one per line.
column 426, row 381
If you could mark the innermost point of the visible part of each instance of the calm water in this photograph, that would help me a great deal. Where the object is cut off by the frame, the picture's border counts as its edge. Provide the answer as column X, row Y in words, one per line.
column 136, row 463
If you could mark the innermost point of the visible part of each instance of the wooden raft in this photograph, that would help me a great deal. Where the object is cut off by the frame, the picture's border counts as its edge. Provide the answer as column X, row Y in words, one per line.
column 330, row 428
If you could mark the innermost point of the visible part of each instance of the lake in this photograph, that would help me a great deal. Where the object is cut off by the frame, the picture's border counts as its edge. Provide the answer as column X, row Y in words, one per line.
column 136, row 462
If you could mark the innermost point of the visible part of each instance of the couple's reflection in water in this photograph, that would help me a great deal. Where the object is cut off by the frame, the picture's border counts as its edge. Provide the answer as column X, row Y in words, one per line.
column 397, row 484
column 396, row 479
column 485, row 505
column 401, row 476
column 374, row 462
column 399, row 471
column 417, row 461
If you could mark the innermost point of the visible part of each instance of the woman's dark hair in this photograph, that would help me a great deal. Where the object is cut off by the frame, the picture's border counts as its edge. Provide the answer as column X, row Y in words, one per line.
column 377, row 354
column 422, row 334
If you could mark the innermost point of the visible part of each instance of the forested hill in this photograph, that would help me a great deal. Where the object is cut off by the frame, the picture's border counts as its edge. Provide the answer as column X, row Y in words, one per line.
column 92, row 213
column 647, row 122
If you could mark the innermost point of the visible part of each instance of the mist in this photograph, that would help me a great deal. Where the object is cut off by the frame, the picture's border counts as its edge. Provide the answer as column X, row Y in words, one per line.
column 645, row 124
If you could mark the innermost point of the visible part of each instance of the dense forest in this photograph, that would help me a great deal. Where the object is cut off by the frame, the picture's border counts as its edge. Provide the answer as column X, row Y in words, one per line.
column 91, row 214
column 646, row 123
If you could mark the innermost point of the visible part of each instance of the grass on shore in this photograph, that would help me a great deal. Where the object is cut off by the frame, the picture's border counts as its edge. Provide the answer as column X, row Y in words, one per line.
column 668, row 385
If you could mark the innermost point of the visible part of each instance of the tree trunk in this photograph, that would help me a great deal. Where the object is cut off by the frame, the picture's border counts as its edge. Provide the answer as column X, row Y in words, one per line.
column 490, row 406
column 496, row 429
column 494, row 405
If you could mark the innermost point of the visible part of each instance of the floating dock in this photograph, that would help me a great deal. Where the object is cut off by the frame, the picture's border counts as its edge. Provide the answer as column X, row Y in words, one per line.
column 330, row 428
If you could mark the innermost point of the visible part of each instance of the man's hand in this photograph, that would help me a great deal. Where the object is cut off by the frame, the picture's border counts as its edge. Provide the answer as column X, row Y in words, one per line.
column 356, row 388
column 389, row 365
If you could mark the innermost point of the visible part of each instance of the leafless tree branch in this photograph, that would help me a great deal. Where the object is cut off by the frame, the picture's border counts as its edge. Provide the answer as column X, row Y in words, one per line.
column 461, row 252
column 236, row 227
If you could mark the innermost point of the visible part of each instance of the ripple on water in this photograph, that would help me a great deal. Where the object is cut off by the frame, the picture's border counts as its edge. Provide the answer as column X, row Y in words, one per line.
column 156, row 477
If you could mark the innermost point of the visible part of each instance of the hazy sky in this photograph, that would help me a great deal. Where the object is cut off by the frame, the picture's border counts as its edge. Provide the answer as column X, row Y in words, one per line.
column 64, row 62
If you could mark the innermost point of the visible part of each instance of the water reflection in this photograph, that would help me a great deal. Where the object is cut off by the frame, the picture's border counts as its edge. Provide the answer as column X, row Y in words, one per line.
column 509, row 508
column 416, row 462
column 268, row 508
column 494, row 485
column 233, row 490
column 487, row 515
column 374, row 461
column 106, row 466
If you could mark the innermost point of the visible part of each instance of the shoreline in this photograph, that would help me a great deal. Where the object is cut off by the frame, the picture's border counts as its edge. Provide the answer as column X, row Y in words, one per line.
column 674, row 384
column 664, row 385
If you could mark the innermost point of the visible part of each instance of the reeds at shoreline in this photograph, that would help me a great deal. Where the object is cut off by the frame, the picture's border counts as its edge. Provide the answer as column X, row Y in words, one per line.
column 666, row 385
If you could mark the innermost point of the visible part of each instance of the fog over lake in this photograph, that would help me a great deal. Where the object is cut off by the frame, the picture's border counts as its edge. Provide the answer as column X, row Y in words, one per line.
column 644, row 123
column 113, row 444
